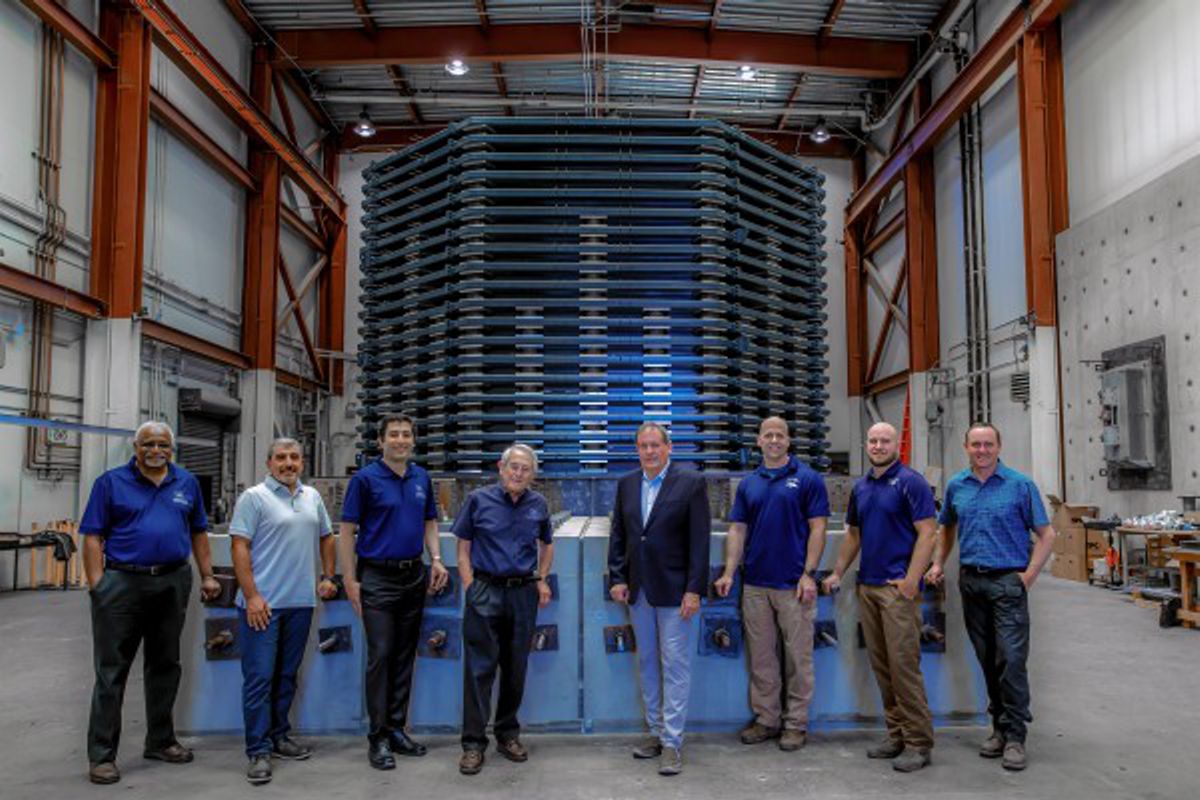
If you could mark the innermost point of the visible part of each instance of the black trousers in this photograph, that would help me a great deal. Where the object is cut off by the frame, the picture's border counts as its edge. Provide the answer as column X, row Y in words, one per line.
column 498, row 627
column 128, row 609
column 392, row 604
column 996, row 611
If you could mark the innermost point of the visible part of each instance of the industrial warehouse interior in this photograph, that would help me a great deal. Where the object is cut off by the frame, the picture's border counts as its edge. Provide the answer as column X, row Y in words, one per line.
column 599, row 398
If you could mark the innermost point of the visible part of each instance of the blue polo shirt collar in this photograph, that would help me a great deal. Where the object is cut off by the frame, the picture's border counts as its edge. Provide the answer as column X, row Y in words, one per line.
column 888, row 473
column 1001, row 473
column 790, row 468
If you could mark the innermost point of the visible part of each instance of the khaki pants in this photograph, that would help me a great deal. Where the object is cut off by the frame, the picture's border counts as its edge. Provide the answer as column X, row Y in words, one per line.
column 767, row 615
column 892, row 630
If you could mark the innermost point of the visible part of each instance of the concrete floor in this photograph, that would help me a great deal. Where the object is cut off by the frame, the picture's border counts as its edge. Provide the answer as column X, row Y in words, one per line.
column 1116, row 702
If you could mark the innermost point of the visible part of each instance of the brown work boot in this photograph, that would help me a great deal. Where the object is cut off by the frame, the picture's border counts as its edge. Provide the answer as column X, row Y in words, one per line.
column 174, row 753
column 912, row 760
column 513, row 750
column 792, row 740
column 993, row 746
column 471, row 762
column 671, row 762
column 755, row 733
column 888, row 748
column 105, row 772
column 1014, row 756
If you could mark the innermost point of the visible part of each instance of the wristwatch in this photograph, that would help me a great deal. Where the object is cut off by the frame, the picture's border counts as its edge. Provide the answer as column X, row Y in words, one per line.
column 812, row 573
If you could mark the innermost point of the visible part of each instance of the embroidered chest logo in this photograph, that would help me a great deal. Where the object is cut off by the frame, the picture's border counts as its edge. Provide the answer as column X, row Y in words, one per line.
column 793, row 483
column 181, row 499
column 419, row 494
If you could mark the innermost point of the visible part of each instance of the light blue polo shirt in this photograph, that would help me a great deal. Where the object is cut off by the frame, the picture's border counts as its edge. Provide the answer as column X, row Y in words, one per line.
column 283, row 530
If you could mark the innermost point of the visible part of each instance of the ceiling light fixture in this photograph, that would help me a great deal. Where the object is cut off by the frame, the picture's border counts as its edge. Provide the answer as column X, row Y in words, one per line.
column 820, row 133
column 364, row 127
column 747, row 72
column 457, row 67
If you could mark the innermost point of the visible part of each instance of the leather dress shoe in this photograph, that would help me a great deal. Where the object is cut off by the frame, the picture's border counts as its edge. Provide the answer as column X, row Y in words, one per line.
column 104, row 772
column 380, row 755
column 513, row 750
column 402, row 745
column 471, row 762
column 174, row 753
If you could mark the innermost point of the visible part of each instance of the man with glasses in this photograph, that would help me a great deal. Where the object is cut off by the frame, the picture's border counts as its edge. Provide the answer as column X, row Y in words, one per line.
column 505, row 549
column 142, row 521
column 277, row 529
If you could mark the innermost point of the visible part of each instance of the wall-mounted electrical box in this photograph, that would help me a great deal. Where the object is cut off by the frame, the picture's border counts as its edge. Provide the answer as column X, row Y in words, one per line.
column 1135, row 416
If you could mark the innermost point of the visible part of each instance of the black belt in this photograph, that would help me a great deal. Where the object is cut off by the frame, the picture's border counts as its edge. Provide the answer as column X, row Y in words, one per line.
column 990, row 572
column 145, row 569
column 399, row 565
column 506, row 581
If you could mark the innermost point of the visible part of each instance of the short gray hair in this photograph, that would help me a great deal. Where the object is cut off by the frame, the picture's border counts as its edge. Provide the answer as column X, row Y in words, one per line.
column 653, row 426
column 151, row 425
column 284, row 443
column 524, row 450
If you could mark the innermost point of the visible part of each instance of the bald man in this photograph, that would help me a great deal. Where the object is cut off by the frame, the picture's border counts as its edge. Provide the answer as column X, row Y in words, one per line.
column 779, row 517
column 891, row 519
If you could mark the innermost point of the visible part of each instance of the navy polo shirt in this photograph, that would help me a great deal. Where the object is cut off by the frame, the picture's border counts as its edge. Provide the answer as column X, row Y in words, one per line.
column 504, row 534
column 885, row 510
column 389, row 510
column 142, row 523
column 994, row 518
column 776, row 506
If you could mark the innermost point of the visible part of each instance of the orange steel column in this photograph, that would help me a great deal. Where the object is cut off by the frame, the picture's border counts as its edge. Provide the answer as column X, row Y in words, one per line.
column 260, row 288
column 856, row 310
column 920, row 243
column 119, row 183
column 331, row 288
column 1043, row 163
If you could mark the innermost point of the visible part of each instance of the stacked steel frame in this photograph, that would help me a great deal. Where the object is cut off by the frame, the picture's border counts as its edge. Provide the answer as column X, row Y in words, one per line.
column 559, row 281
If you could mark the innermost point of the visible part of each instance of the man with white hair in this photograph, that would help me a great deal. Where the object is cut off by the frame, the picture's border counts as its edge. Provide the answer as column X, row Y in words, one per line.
column 277, row 529
column 142, row 521
column 505, row 549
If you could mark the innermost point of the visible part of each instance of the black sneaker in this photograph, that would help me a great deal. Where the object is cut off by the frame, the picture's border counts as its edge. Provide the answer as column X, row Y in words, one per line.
column 291, row 750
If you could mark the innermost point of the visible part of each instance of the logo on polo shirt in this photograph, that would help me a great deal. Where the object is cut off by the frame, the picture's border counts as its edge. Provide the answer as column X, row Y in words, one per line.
column 419, row 493
column 793, row 483
column 893, row 481
column 181, row 499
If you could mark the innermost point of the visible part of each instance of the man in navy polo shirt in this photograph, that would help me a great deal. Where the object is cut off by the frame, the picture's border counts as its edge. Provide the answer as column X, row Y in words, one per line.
column 992, row 509
column 141, row 522
column 779, row 517
column 505, row 549
column 891, row 518
column 389, row 518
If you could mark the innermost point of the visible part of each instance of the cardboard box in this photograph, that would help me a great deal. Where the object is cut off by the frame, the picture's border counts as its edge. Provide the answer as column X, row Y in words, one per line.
column 1072, row 568
column 1069, row 515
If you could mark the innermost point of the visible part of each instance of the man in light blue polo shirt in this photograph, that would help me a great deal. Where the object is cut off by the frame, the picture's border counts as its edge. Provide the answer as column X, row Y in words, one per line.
column 891, row 517
column 274, row 538
column 992, row 510
column 779, row 516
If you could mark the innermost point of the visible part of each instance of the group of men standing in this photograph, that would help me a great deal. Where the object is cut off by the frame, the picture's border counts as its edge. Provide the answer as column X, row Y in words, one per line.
column 144, row 517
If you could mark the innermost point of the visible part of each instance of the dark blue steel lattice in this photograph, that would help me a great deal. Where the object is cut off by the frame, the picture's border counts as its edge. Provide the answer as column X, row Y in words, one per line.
column 557, row 282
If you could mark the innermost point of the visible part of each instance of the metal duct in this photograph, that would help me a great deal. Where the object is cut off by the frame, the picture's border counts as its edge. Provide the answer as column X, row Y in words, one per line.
column 557, row 282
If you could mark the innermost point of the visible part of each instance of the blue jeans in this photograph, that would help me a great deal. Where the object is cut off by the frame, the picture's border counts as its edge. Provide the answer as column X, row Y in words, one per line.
column 665, row 644
column 270, row 661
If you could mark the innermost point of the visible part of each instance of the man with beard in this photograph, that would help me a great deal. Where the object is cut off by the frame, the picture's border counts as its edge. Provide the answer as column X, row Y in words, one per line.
column 891, row 519
column 277, row 528
column 389, row 519
column 141, row 522
column 779, row 516
column 505, row 549
column 992, row 509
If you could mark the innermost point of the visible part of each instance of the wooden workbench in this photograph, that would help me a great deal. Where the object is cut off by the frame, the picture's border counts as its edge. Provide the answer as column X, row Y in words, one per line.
column 1188, row 558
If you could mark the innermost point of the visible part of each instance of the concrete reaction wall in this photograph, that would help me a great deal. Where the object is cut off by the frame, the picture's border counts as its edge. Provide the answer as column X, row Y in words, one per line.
column 1126, row 274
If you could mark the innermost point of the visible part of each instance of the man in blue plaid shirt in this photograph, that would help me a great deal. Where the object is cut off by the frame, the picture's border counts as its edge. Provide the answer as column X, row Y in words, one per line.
column 992, row 509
